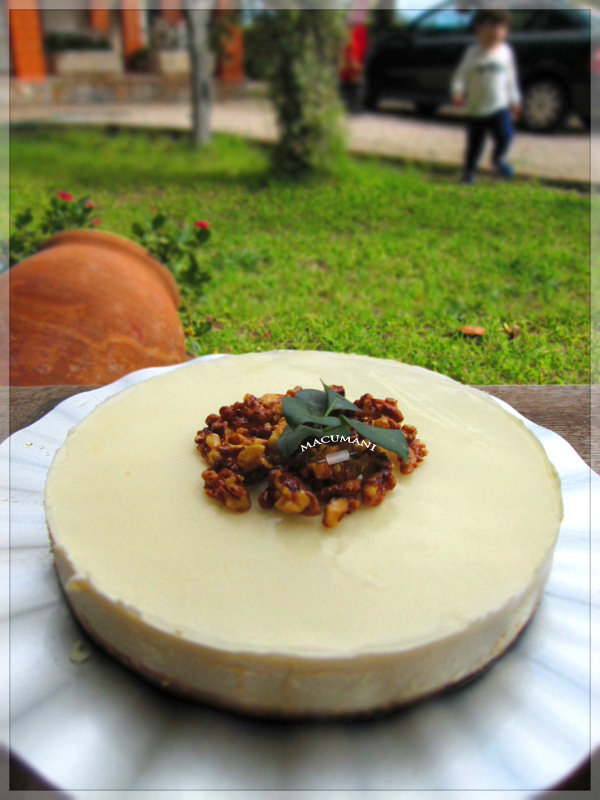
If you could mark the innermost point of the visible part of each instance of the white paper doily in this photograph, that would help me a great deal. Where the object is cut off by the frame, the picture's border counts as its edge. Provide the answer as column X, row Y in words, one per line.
column 524, row 725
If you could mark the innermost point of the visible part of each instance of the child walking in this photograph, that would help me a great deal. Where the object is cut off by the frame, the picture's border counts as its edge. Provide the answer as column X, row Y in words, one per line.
column 486, row 82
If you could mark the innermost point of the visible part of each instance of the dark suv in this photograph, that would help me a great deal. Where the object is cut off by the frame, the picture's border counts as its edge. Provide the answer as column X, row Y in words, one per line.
column 415, row 62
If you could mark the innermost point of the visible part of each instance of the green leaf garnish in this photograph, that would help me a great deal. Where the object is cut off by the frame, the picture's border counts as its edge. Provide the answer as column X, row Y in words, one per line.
column 311, row 414
column 336, row 402
column 315, row 399
column 291, row 439
column 335, row 430
column 388, row 438
column 297, row 413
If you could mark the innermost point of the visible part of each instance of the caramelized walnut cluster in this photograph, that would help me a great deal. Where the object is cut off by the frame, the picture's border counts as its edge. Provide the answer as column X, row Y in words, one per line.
column 239, row 445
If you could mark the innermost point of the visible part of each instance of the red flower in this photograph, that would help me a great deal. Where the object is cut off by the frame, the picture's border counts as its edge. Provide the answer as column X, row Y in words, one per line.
column 202, row 224
column 153, row 208
column 89, row 204
column 96, row 222
column 67, row 196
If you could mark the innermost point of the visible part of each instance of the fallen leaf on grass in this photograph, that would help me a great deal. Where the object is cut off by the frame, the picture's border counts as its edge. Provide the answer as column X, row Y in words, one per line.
column 512, row 330
column 472, row 330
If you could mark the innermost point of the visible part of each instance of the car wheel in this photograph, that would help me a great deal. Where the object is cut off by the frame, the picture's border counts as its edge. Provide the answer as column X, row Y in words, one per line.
column 426, row 109
column 545, row 104
column 371, row 98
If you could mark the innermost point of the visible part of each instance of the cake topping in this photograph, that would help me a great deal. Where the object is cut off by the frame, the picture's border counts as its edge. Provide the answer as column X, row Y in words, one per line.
column 316, row 449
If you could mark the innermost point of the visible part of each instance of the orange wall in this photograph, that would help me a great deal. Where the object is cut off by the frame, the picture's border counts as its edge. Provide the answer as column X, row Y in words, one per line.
column 171, row 11
column 131, row 22
column 100, row 15
column 26, row 43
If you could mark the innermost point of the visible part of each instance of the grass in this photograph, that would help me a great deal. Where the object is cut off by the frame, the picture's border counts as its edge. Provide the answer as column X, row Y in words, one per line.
column 382, row 259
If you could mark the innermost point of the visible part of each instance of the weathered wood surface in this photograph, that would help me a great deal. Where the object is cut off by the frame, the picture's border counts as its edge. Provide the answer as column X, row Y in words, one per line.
column 567, row 410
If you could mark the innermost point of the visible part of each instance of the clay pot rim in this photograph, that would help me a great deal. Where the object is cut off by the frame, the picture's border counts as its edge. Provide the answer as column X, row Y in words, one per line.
column 113, row 241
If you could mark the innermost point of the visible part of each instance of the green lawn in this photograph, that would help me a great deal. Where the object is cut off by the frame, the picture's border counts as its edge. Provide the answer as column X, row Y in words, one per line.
column 381, row 259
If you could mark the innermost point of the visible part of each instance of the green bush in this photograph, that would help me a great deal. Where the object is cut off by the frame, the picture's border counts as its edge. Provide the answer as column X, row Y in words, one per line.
column 62, row 212
column 258, row 44
column 303, row 75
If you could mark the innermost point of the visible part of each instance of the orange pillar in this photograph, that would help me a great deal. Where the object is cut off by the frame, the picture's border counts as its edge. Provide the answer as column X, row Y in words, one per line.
column 232, row 66
column 131, row 27
column 231, row 63
column 100, row 16
column 171, row 11
column 26, row 43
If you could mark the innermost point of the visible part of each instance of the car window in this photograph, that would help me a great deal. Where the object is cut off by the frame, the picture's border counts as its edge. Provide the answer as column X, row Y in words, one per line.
column 549, row 20
column 523, row 20
column 544, row 20
column 444, row 22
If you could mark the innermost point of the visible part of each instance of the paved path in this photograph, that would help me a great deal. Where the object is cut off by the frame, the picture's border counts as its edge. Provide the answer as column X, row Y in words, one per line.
column 396, row 133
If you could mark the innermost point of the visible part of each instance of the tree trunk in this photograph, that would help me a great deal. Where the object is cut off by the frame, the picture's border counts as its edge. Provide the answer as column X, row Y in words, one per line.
column 304, row 80
column 197, row 16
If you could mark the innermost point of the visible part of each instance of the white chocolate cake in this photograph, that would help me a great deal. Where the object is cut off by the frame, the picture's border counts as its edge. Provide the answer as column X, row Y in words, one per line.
column 269, row 613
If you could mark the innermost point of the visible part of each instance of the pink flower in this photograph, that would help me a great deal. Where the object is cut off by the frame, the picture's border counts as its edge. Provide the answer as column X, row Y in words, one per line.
column 67, row 196
column 202, row 224
column 89, row 204
column 96, row 222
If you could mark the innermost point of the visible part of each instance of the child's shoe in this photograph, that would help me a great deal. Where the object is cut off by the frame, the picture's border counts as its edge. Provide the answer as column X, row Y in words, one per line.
column 468, row 178
column 504, row 169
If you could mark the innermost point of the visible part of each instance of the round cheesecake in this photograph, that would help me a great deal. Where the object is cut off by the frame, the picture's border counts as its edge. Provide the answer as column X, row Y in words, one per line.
column 271, row 613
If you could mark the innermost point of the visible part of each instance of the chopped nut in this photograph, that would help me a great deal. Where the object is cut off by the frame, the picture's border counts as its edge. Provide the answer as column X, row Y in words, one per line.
column 252, row 457
column 290, row 495
column 375, row 487
column 338, row 508
column 239, row 445
column 349, row 488
column 227, row 488
column 373, row 408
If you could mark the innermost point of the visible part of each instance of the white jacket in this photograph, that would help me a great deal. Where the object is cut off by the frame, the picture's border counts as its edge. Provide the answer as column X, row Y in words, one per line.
column 487, row 79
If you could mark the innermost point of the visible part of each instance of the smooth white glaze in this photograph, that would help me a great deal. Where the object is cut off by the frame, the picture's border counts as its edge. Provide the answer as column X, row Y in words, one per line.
column 268, row 612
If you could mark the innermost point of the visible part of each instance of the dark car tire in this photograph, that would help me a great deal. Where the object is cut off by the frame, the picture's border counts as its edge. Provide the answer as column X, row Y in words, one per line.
column 545, row 104
column 426, row 109
column 370, row 98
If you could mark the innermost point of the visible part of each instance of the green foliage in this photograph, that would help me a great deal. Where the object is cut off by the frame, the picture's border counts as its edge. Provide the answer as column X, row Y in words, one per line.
column 304, row 62
column 383, row 259
column 176, row 245
column 172, row 244
column 259, row 41
column 61, row 213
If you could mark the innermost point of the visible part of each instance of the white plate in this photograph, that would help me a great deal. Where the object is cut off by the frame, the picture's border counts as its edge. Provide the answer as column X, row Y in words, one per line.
column 524, row 725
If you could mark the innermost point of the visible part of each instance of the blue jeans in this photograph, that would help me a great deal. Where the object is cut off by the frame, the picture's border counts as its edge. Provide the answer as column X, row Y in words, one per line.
column 501, row 128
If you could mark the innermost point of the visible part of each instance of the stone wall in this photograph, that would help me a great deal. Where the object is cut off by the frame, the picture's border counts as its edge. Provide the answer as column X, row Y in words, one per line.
column 73, row 89
column 123, row 88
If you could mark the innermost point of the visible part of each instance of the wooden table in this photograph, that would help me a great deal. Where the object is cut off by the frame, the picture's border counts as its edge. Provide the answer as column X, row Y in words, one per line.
column 567, row 410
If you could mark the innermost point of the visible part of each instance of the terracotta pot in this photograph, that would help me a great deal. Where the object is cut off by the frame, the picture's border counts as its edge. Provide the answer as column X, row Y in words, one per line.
column 88, row 308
